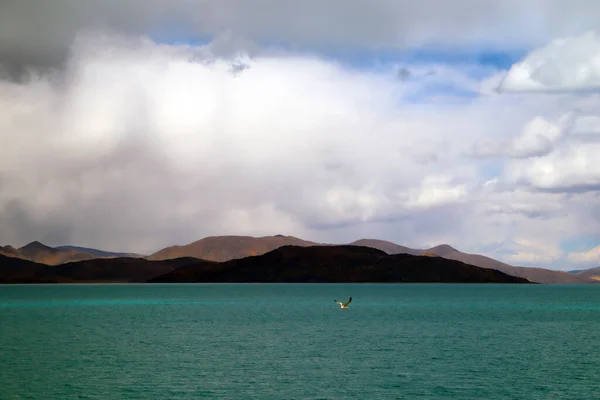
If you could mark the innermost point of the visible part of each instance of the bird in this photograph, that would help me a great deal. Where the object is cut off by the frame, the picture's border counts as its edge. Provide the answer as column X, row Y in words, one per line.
column 342, row 305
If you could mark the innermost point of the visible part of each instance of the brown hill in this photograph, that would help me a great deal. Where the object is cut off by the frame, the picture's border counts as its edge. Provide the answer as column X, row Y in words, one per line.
column 591, row 273
column 224, row 248
column 17, row 270
column 40, row 253
column 388, row 247
column 9, row 251
column 441, row 250
column 336, row 264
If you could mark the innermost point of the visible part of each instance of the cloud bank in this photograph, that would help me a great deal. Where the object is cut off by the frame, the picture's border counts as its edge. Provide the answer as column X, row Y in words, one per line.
column 136, row 143
column 39, row 33
column 569, row 64
column 144, row 131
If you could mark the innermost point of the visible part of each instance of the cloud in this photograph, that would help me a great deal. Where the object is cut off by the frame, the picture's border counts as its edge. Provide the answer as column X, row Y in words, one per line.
column 556, row 159
column 137, row 144
column 586, row 128
column 165, row 143
column 39, row 34
column 566, row 64
column 437, row 190
column 591, row 257
column 555, row 151
column 529, row 251
column 537, row 139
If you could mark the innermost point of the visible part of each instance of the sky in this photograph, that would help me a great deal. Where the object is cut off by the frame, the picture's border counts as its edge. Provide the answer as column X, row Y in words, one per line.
column 132, row 126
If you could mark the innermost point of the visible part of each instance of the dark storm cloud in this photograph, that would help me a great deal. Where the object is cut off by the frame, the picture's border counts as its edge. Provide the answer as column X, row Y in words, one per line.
column 37, row 33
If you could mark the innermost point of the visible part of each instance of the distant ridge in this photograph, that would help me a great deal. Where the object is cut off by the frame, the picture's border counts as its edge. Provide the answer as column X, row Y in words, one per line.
column 41, row 253
column 224, row 248
column 9, row 251
column 443, row 250
column 388, row 247
column 539, row 275
column 590, row 273
column 98, row 253
column 285, row 264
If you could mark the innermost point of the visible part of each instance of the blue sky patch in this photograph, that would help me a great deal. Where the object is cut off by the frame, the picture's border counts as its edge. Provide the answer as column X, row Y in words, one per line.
column 580, row 243
column 371, row 58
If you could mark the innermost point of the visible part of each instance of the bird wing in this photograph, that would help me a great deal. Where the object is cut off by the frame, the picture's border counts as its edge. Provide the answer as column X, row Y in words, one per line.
column 348, row 302
column 339, row 302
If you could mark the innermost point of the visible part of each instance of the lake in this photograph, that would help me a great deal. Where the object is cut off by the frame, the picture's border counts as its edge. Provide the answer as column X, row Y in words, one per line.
column 291, row 341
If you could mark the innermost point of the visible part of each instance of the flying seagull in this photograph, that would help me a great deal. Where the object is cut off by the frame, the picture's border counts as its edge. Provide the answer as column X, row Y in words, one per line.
column 342, row 305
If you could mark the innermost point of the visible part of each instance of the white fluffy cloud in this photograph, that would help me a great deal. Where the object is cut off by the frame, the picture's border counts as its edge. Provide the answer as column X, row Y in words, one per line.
column 537, row 139
column 527, row 251
column 567, row 64
column 591, row 257
column 557, row 157
column 572, row 167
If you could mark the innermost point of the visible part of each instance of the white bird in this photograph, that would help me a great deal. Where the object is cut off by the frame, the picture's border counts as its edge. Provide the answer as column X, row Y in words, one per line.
column 344, row 305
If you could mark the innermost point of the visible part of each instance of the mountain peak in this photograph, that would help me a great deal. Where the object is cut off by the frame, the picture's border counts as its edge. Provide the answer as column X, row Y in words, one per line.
column 35, row 245
column 441, row 250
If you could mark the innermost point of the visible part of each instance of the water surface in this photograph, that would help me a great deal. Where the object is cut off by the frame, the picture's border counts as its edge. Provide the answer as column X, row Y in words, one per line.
column 284, row 341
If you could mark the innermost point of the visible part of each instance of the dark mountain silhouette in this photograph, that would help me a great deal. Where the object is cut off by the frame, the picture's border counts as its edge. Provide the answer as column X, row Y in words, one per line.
column 121, row 269
column 16, row 270
column 344, row 263
column 285, row 264
column 224, row 248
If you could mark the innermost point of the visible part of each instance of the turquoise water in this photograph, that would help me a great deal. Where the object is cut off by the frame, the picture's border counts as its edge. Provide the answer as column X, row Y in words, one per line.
column 249, row 341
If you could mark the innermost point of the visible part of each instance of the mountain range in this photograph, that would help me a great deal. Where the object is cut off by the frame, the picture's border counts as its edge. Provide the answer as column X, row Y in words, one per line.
column 39, row 252
column 332, row 264
column 288, row 263
column 222, row 249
